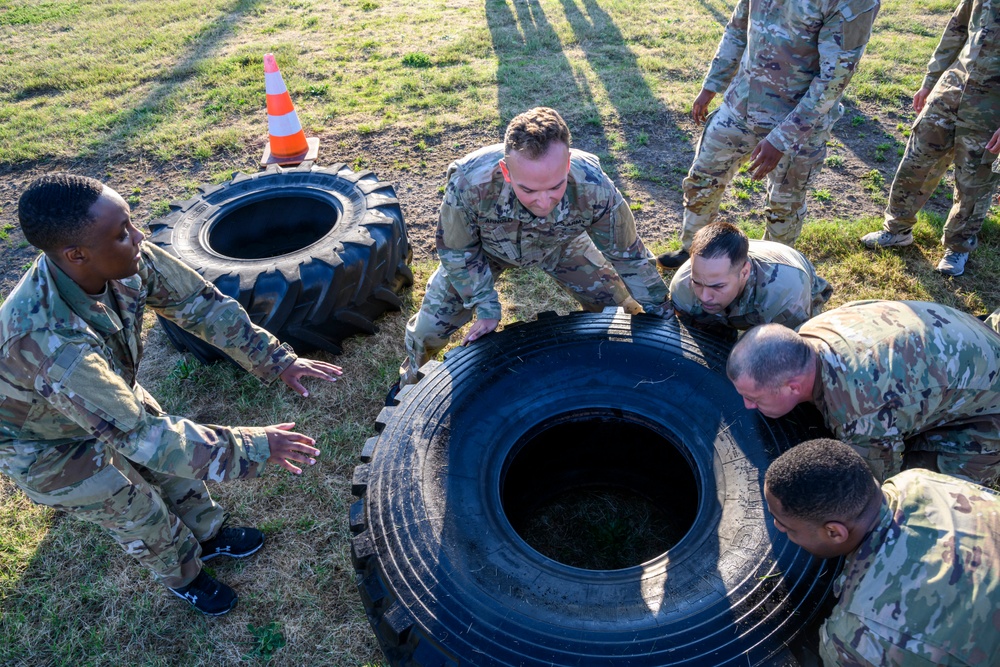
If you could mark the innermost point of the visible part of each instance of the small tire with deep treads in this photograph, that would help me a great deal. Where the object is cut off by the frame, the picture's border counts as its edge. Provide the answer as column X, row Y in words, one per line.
column 314, row 254
column 469, row 455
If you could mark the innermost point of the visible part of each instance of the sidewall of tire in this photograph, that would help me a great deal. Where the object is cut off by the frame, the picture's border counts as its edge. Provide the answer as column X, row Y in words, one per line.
column 451, row 576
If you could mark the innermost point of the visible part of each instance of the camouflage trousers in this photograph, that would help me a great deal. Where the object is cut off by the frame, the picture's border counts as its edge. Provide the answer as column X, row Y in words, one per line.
column 969, row 449
column 157, row 518
column 581, row 270
column 936, row 141
column 725, row 145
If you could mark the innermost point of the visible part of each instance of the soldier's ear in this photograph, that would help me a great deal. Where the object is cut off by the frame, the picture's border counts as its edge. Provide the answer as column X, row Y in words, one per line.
column 836, row 532
column 73, row 255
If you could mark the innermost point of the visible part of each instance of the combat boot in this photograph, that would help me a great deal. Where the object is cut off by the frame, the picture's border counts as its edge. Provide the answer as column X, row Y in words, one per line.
column 672, row 260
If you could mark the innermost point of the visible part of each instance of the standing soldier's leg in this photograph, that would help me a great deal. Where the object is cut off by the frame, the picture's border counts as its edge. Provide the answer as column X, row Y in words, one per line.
column 441, row 314
column 975, row 182
column 586, row 275
column 787, row 188
column 928, row 153
column 115, row 496
column 725, row 144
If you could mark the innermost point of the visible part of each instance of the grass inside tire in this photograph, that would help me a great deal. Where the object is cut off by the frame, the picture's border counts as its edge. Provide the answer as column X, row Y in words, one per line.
column 471, row 452
column 313, row 254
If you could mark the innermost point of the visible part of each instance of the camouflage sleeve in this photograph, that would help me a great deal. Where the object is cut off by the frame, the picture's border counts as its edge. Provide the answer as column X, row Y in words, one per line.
column 462, row 255
column 179, row 294
column 956, row 33
column 847, row 640
column 841, row 43
column 77, row 381
column 613, row 232
column 734, row 42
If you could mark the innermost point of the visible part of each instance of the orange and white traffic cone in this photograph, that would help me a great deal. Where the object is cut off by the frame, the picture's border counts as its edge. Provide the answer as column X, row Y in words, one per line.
column 287, row 144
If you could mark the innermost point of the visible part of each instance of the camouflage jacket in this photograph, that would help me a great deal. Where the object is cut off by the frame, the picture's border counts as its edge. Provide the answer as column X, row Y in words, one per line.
column 889, row 370
column 786, row 64
column 782, row 288
column 923, row 588
column 967, row 61
column 68, row 376
column 481, row 216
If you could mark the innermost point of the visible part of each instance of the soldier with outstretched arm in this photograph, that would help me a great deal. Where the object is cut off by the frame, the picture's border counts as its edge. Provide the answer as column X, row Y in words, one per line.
column 78, row 432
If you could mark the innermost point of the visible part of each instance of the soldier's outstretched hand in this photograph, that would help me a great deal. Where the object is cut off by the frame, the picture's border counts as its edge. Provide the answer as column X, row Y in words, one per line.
column 301, row 368
column 699, row 109
column 479, row 329
column 994, row 144
column 920, row 98
column 763, row 160
column 287, row 445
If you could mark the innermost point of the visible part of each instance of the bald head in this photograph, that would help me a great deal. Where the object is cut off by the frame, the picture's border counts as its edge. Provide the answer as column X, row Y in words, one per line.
column 769, row 355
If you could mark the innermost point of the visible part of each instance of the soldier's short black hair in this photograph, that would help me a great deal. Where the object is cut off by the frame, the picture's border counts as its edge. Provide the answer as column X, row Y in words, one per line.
column 533, row 132
column 821, row 480
column 55, row 209
column 770, row 355
column 721, row 239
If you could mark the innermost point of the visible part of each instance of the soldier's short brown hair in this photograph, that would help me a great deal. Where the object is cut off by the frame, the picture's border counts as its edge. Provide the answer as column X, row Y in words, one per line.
column 821, row 480
column 721, row 239
column 533, row 132
column 55, row 209
column 770, row 355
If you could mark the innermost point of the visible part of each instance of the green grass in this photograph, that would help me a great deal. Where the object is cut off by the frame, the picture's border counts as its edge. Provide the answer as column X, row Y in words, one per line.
column 164, row 96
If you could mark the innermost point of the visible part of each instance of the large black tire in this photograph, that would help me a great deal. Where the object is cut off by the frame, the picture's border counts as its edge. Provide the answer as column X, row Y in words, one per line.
column 313, row 254
column 586, row 400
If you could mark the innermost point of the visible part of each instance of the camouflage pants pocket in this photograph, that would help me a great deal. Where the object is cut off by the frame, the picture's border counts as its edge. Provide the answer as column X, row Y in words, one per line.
column 975, row 182
column 787, row 187
column 118, row 499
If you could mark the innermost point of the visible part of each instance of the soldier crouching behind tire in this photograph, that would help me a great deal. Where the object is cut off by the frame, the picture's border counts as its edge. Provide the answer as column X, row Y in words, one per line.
column 532, row 201
column 78, row 433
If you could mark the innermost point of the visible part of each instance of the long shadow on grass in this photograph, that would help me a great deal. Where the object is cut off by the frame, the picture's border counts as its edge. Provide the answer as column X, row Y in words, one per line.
column 147, row 113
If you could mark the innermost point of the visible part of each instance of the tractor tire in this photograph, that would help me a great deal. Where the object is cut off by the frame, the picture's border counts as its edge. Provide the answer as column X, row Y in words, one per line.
column 468, row 454
column 313, row 254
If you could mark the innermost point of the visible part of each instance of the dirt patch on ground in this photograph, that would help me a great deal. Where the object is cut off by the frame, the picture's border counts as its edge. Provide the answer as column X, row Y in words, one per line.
column 649, row 172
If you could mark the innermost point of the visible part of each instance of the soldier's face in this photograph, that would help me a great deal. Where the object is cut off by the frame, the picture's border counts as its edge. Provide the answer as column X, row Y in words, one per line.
column 716, row 282
column 813, row 537
column 538, row 184
column 771, row 403
column 113, row 243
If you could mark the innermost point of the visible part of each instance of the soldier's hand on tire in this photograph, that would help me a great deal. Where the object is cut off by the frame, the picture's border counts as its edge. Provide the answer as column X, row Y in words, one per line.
column 287, row 445
column 309, row 368
column 699, row 109
column 920, row 98
column 763, row 160
column 479, row 329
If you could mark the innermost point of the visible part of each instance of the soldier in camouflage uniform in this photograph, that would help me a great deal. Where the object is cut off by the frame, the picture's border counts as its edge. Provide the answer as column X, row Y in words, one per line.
column 731, row 281
column 77, row 431
column 784, row 67
column 531, row 201
column 958, row 107
column 906, row 383
column 921, row 580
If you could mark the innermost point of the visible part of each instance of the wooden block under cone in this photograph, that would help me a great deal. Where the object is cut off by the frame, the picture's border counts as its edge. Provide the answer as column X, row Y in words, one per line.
column 267, row 158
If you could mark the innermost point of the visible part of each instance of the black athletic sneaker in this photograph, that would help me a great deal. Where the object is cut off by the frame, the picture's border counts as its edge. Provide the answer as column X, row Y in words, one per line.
column 672, row 260
column 208, row 595
column 233, row 542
